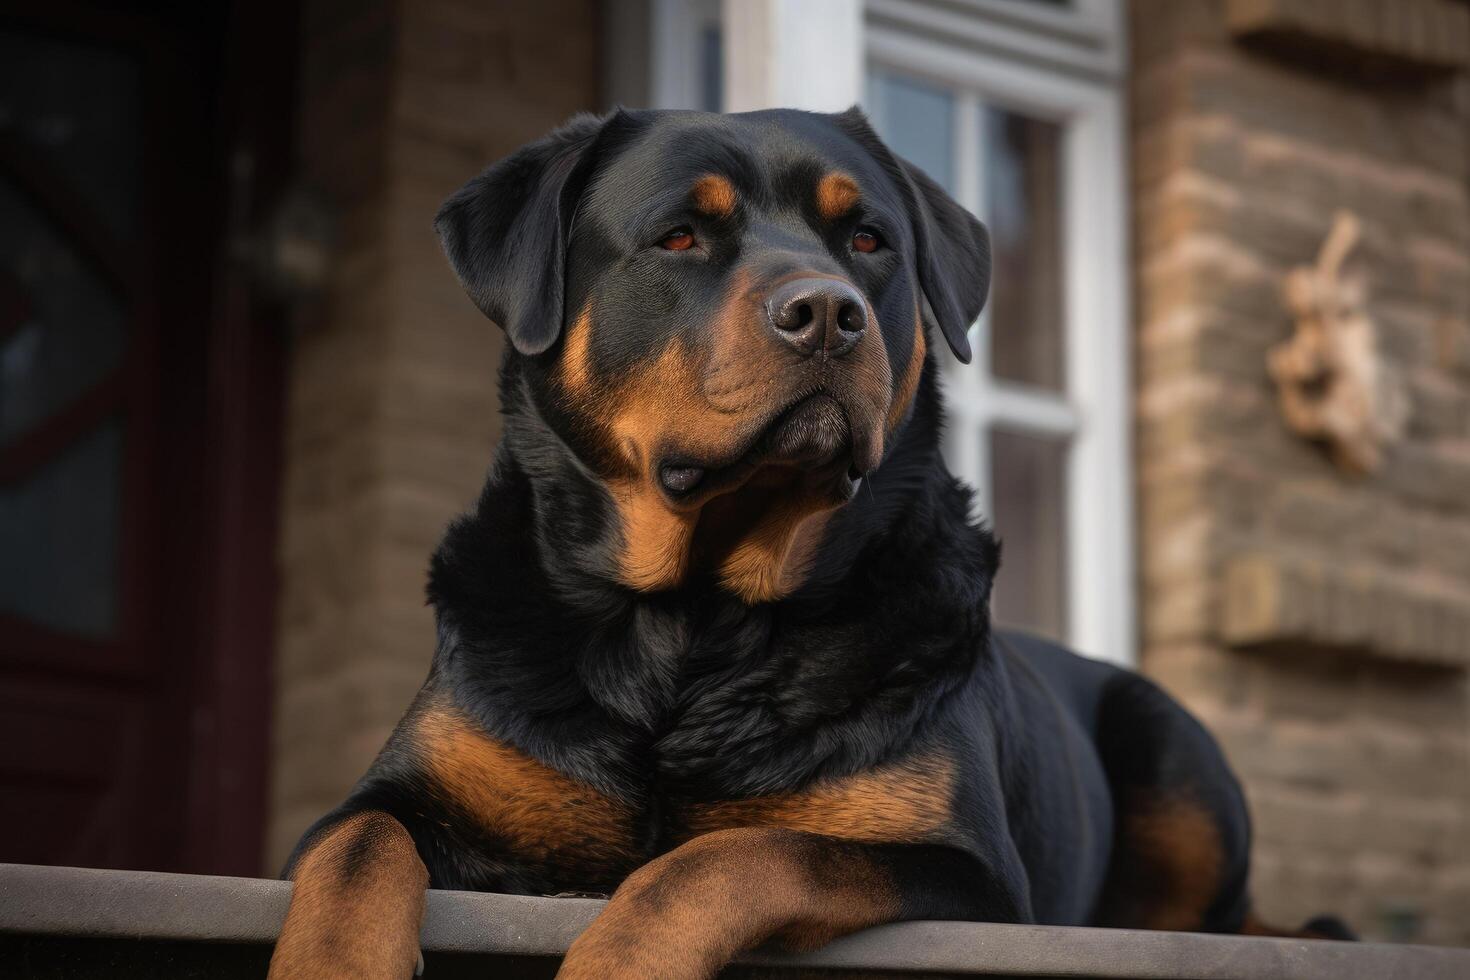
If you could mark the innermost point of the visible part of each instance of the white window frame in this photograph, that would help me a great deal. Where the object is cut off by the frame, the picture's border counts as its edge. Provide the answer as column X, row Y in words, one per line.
column 1070, row 78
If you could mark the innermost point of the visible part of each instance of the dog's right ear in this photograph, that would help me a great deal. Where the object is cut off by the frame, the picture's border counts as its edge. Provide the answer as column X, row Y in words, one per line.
column 506, row 231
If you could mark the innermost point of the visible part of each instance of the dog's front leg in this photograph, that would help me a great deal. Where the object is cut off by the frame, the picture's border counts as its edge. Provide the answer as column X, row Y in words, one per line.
column 357, row 904
column 687, row 913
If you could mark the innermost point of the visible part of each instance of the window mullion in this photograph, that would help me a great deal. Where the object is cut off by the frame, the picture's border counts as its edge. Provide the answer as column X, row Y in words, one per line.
column 970, row 187
column 969, row 440
column 1025, row 408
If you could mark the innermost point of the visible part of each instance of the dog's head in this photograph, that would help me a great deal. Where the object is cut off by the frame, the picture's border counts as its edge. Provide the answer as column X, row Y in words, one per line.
column 722, row 316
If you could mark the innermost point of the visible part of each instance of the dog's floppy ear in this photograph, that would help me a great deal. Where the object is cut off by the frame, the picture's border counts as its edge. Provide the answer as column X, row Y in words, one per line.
column 506, row 231
column 953, row 247
column 953, row 259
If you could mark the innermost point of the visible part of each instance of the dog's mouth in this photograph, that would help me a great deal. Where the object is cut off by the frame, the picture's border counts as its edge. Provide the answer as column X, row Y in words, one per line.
column 810, row 441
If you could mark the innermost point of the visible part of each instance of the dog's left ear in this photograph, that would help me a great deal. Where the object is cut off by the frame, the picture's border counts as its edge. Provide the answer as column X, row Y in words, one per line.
column 953, row 258
column 506, row 231
column 953, row 246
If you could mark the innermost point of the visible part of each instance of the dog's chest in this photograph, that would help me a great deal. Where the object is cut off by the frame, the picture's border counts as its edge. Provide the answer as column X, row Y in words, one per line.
column 908, row 801
column 582, row 839
column 522, row 810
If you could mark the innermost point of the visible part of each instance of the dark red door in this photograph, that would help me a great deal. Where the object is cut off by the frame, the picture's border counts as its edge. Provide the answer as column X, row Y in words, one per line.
column 119, row 320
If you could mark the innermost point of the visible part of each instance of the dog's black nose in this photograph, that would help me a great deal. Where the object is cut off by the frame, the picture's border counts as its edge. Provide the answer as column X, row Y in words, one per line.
column 818, row 314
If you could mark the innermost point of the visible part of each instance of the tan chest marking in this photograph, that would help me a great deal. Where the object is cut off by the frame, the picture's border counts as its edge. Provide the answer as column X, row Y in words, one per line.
column 906, row 802
column 539, row 812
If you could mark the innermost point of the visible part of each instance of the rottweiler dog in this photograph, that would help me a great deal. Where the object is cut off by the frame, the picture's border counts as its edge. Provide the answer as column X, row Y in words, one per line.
column 715, row 639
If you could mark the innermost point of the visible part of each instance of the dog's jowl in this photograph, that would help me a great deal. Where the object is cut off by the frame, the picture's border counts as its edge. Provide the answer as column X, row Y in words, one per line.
column 715, row 639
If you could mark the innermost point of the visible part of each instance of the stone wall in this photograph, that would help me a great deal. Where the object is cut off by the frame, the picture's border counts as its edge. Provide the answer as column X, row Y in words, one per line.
column 1318, row 622
column 392, row 406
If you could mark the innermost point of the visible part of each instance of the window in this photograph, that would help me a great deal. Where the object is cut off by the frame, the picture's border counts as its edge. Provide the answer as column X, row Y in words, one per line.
column 1014, row 106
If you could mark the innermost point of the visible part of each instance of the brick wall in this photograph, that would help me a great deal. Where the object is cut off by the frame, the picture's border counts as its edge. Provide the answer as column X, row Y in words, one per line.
column 392, row 408
column 1349, row 720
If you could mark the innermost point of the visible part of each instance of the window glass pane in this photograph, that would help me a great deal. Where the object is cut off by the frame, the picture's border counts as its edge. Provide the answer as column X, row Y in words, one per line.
column 75, row 332
column 58, row 566
column 711, row 68
column 1028, row 503
column 78, row 108
column 917, row 121
column 1022, row 168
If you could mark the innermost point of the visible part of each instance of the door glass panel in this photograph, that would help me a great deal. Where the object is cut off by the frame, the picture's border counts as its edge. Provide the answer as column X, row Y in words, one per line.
column 1027, row 479
column 76, row 330
column 78, row 108
column 1022, row 168
column 60, row 523
column 917, row 120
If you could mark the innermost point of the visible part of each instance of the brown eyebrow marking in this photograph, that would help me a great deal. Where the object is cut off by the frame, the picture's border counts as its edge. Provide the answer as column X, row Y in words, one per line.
column 837, row 194
column 714, row 195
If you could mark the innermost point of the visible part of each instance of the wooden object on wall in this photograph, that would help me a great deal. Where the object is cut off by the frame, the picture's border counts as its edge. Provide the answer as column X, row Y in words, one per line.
column 1334, row 387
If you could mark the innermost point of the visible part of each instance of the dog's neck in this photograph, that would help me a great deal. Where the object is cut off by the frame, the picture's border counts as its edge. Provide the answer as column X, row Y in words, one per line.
column 572, row 665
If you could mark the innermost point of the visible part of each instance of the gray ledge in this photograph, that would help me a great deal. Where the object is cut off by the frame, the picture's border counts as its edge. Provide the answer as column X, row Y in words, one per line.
column 48, row 913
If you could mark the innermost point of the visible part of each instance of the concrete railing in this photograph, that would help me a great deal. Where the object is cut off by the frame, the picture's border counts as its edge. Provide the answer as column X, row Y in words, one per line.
column 78, row 922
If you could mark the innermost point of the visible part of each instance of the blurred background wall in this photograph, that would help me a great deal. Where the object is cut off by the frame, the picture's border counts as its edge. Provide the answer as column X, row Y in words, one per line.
column 391, row 414
column 1317, row 619
column 241, row 393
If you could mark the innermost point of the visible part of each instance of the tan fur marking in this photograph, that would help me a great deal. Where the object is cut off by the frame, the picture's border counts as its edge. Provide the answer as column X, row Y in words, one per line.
column 837, row 194
column 356, row 904
column 576, row 361
column 773, row 559
column 539, row 812
column 689, row 912
column 1175, row 846
column 901, row 803
column 714, row 195
column 904, row 396
column 873, row 377
column 656, row 539
column 1187, row 844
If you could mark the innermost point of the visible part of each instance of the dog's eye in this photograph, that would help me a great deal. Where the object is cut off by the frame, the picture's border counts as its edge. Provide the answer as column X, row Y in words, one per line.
column 865, row 241
column 678, row 240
